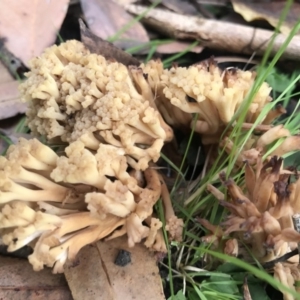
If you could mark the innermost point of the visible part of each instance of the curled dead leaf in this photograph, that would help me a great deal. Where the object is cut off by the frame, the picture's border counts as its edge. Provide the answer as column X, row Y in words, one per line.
column 268, row 11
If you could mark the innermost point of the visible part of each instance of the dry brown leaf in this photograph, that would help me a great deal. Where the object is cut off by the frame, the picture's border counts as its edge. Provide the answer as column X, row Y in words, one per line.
column 4, row 74
column 10, row 103
column 99, row 46
column 177, row 46
column 170, row 48
column 125, row 2
column 19, row 282
column 29, row 26
column 269, row 11
column 106, row 18
column 213, row 2
column 10, row 61
column 95, row 276
column 179, row 6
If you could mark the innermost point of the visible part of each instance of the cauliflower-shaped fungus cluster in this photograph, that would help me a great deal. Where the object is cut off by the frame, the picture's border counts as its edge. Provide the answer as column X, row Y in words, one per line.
column 204, row 89
column 75, row 95
column 58, row 204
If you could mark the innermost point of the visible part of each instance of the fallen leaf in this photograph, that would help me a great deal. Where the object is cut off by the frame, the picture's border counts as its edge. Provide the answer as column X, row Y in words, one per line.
column 10, row 103
column 19, row 281
column 179, row 6
column 213, row 2
column 168, row 47
column 30, row 26
column 12, row 129
column 125, row 2
column 177, row 46
column 5, row 76
column 269, row 11
column 103, row 279
column 99, row 46
column 10, row 61
column 107, row 18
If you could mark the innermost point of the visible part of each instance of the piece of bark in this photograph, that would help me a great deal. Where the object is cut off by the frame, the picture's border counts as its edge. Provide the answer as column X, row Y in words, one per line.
column 97, row 45
column 19, row 282
column 107, row 18
column 217, row 34
column 103, row 279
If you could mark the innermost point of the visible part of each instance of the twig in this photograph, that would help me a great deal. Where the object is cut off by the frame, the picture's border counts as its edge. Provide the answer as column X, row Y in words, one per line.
column 217, row 34
column 271, row 264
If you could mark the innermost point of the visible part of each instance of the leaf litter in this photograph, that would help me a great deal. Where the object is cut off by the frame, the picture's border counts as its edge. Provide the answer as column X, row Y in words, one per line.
column 28, row 27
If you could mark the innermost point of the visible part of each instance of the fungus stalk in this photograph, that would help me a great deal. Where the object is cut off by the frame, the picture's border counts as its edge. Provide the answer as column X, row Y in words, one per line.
column 174, row 225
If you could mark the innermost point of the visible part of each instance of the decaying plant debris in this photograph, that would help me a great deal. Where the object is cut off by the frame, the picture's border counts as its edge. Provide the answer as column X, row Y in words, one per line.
column 259, row 224
column 112, row 122
column 216, row 34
